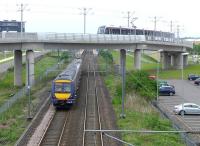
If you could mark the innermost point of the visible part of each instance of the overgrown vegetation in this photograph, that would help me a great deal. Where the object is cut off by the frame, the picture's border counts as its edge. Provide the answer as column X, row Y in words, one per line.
column 13, row 122
column 7, row 87
column 177, row 74
column 196, row 49
column 140, row 115
column 106, row 55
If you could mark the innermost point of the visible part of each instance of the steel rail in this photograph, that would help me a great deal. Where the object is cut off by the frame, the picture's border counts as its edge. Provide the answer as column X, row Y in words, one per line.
column 91, row 72
column 98, row 110
column 86, row 102
column 62, row 131
column 61, row 135
column 49, row 123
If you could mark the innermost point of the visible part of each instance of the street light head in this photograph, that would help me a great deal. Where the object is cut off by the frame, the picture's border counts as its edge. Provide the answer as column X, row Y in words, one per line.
column 186, row 53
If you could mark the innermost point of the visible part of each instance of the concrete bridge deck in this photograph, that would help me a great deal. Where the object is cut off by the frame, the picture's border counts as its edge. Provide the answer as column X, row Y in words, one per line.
column 171, row 54
column 13, row 41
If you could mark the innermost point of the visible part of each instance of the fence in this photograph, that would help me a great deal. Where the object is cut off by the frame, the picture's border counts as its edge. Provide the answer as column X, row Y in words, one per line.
column 22, row 92
column 184, row 136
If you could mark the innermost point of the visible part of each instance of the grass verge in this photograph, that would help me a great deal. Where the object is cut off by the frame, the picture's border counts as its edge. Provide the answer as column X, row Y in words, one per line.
column 140, row 115
column 7, row 88
column 13, row 122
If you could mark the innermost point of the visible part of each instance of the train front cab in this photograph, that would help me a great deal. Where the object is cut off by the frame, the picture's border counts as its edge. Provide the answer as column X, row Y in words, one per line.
column 63, row 93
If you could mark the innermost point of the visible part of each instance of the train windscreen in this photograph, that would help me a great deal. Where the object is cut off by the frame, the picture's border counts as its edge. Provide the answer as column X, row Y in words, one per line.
column 62, row 87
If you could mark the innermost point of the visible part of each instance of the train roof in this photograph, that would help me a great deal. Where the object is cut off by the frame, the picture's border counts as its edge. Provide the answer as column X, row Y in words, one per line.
column 70, row 71
column 124, row 27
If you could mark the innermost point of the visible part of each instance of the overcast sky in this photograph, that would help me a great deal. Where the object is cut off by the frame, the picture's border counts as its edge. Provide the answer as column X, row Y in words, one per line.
column 65, row 15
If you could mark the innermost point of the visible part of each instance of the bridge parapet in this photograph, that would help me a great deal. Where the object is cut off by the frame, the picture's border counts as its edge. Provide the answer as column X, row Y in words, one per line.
column 89, row 38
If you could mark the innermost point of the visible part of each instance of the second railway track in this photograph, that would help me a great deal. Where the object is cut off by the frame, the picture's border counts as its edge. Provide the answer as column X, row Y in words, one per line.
column 92, row 119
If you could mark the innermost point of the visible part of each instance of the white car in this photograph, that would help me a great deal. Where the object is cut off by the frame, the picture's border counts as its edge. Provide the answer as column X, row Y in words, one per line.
column 187, row 108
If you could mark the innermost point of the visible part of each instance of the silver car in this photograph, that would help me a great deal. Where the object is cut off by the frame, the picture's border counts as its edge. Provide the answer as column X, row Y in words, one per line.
column 187, row 108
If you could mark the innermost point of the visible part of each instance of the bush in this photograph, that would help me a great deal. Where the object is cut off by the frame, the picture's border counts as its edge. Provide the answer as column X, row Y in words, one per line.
column 64, row 56
column 140, row 82
column 106, row 55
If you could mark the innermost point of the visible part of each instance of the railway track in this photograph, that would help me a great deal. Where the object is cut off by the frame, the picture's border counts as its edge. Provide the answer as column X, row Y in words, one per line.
column 68, row 127
column 92, row 114
column 54, row 132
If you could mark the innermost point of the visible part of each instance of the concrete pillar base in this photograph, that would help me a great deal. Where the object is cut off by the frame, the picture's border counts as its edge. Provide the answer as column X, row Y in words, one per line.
column 123, row 72
column 137, row 59
column 30, row 79
column 185, row 60
column 166, row 60
column 17, row 68
column 179, row 61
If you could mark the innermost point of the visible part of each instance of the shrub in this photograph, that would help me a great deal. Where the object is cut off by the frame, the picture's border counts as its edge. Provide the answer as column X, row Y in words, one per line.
column 142, row 85
column 106, row 55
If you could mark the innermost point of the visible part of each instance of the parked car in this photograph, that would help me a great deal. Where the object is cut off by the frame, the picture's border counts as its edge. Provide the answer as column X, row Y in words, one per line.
column 197, row 81
column 186, row 108
column 164, row 84
column 167, row 90
column 193, row 77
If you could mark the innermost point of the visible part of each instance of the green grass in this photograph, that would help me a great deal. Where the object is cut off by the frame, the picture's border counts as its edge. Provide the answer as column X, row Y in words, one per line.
column 13, row 122
column 6, row 55
column 177, row 74
column 145, row 65
column 7, row 79
column 151, row 67
column 140, row 116
column 139, row 113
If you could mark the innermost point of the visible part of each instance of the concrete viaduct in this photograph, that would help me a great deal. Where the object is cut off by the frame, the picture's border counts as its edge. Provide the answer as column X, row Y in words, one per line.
column 171, row 54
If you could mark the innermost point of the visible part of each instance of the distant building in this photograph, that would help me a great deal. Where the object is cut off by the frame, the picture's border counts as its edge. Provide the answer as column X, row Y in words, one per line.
column 12, row 25
column 197, row 42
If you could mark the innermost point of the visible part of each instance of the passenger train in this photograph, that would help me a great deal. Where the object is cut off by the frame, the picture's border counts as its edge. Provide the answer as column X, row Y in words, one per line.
column 65, row 85
column 149, row 34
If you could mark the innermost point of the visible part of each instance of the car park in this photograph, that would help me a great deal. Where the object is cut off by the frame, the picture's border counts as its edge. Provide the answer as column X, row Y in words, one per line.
column 193, row 77
column 197, row 81
column 186, row 108
column 167, row 90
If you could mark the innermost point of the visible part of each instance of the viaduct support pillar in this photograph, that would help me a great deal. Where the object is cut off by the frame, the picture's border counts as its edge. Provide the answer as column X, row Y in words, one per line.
column 17, row 68
column 179, row 61
column 123, row 72
column 166, row 60
column 29, row 67
column 172, row 61
column 137, row 59
column 185, row 60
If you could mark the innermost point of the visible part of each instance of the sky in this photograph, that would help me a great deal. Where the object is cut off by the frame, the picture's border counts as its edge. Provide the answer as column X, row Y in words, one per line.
column 65, row 16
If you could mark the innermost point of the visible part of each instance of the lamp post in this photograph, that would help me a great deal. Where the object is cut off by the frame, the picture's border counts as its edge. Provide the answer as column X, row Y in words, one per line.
column 157, row 72
column 182, row 66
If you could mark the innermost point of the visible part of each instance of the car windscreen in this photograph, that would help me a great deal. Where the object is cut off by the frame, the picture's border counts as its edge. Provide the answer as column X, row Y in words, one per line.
column 62, row 87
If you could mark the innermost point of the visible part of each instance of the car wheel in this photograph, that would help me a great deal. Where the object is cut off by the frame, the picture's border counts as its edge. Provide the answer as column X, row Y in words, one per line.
column 182, row 113
column 171, row 94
